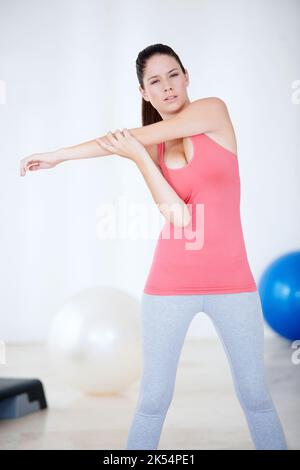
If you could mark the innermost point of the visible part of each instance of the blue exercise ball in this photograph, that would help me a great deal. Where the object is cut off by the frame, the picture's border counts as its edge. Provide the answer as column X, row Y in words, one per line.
column 279, row 290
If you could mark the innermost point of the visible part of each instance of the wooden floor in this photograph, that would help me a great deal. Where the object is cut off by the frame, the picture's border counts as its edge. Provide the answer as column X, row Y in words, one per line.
column 204, row 413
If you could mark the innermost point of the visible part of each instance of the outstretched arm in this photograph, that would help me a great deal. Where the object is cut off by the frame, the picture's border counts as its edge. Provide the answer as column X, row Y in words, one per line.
column 202, row 115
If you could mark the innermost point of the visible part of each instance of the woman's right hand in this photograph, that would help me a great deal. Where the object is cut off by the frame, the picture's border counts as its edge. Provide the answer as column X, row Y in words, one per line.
column 38, row 161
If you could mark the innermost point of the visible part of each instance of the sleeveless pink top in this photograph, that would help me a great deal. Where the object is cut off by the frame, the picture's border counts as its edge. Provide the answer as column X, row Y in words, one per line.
column 209, row 255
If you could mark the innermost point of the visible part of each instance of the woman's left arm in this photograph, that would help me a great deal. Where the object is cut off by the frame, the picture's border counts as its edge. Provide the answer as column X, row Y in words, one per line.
column 202, row 115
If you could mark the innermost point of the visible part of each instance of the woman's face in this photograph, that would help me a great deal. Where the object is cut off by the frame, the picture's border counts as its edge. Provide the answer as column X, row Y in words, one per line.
column 163, row 77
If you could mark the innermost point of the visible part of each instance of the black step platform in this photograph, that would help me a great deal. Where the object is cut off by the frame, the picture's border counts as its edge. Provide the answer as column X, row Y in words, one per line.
column 19, row 397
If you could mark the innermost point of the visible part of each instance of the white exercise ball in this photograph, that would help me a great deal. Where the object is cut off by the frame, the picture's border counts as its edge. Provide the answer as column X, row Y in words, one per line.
column 94, row 340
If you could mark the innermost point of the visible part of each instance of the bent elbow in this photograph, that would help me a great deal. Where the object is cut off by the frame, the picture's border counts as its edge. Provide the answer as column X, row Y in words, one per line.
column 178, row 216
column 182, row 222
column 186, row 221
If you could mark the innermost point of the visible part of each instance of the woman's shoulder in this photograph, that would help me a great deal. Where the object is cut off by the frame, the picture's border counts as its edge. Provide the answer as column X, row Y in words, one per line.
column 211, row 100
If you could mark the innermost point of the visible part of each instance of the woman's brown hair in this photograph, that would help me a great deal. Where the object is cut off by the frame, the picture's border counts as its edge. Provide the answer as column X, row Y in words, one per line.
column 149, row 113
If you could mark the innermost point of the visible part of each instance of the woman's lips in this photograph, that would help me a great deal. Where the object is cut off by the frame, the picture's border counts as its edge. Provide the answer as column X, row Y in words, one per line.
column 171, row 99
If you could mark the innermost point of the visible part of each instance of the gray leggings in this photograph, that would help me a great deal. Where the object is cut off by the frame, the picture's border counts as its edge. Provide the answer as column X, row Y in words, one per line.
column 238, row 320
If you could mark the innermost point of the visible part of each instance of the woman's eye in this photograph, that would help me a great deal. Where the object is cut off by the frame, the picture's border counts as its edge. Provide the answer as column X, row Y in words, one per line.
column 173, row 75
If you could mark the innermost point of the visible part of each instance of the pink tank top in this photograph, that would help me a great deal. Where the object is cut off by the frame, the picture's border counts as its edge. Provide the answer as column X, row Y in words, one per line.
column 209, row 255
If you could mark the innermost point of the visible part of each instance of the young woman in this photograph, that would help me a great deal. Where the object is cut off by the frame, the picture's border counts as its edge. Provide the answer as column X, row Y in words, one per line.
column 187, row 154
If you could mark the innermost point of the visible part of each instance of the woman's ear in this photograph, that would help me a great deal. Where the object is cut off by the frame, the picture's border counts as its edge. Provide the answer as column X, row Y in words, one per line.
column 143, row 93
column 187, row 78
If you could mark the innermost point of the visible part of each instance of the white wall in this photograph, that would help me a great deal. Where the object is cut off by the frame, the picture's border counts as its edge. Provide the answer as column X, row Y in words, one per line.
column 69, row 70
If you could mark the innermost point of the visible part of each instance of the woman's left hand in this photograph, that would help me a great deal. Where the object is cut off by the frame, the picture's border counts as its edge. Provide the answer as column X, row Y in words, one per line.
column 123, row 144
